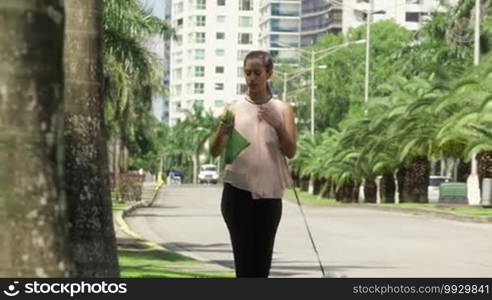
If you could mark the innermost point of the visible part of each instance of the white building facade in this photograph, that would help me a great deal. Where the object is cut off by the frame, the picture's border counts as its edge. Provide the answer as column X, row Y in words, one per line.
column 212, row 38
column 407, row 13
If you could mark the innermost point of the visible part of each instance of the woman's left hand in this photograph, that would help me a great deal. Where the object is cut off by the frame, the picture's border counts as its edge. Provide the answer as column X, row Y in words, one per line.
column 272, row 117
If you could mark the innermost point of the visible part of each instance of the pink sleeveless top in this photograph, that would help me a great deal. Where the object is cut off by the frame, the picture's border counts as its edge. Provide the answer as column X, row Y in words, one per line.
column 260, row 168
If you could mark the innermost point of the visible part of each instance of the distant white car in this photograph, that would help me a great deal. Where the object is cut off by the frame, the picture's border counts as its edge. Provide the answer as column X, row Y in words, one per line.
column 433, row 189
column 208, row 174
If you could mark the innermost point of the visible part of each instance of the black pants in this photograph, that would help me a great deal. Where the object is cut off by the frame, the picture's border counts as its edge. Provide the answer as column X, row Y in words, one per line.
column 252, row 227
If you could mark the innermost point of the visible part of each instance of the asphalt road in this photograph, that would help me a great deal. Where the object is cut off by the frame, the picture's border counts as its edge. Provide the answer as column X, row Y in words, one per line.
column 353, row 242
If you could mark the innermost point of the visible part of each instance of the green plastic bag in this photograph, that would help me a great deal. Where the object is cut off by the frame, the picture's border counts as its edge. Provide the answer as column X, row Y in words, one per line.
column 236, row 143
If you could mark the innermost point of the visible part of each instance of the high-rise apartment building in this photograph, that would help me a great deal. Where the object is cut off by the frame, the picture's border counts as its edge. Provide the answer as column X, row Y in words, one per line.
column 319, row 17
column 212, row 39
column 280, row 26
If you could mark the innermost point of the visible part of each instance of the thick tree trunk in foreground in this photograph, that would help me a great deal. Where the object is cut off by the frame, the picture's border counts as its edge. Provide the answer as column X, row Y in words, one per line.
column 34, row 228
column 88, row 187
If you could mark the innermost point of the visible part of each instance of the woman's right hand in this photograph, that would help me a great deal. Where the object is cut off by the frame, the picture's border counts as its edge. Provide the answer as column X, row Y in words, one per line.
column 219, row 139
column 226, row 121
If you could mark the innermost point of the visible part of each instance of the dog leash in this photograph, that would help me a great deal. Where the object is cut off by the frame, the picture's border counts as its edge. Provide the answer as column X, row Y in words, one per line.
column 309, row 232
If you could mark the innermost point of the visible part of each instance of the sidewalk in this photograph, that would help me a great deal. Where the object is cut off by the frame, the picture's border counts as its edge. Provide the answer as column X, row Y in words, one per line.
column 177, row 265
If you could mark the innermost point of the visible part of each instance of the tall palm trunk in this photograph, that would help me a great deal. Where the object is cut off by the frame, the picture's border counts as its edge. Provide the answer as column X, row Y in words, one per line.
column 400, row 178
column 463, row 170
column 195, row 159
column 347, row 192
column 388, row 188
column 34, row 229
column 370, row 190
column 93, row 242
column 416, row 181
column 484, row 165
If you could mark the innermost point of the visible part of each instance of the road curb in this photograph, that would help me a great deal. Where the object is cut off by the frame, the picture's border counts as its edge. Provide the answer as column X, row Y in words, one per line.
column 123, row 226
column 443, row 215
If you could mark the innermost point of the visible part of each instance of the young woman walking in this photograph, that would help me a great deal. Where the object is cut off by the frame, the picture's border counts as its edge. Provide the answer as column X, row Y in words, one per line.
column 254, row 182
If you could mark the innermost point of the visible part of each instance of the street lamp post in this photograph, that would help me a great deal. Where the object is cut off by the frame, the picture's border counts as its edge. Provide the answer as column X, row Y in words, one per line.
column 312, row 92
column 473, row 185
column 369, row 14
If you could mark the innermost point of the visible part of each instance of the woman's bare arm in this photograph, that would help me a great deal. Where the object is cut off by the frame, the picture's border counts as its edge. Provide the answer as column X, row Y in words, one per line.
column 287, row 134
column 219, row 138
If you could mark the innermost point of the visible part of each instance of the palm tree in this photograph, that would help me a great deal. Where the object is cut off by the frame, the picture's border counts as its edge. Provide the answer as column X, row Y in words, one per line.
column 92, row 234
column 303, row 165
column 34, row 235
column 132, row 73
column 203, row 124
column 468, row 120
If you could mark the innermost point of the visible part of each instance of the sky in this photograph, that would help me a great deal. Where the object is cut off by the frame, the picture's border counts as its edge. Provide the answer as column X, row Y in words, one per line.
column 157, row 8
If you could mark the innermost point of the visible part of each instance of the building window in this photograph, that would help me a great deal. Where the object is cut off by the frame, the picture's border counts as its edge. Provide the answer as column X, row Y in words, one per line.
column 360, row 16
column 192, row 102
column 241, row 54
column 219, row 103
column 413, row 1
column 240, row 71
column 199, row 88
column 177, row 74
column 219, row 52
column 412, row 17
column 199, row 54
column 219, row 70
column 220, row 35
column 219, row 86
column 200, row 21
column 221, row 19
column 201, row 4
column 200, row 37
column 245, row 21
column 199, row 71
column 178, row 8
column 241, row 88
column 245, row 4
column 220, row 2
column 245, row 38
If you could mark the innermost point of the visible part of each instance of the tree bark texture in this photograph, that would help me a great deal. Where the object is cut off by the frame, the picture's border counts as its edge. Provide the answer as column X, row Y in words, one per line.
column 88, row 188
column 33, row 220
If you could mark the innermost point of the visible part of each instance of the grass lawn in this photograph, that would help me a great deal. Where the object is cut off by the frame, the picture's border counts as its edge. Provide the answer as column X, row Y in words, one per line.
column 461, row 210
column 308, row 199
column 155, row 263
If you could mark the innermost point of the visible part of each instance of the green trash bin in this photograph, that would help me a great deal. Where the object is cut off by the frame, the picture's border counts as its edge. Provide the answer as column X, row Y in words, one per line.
column 453, row 193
